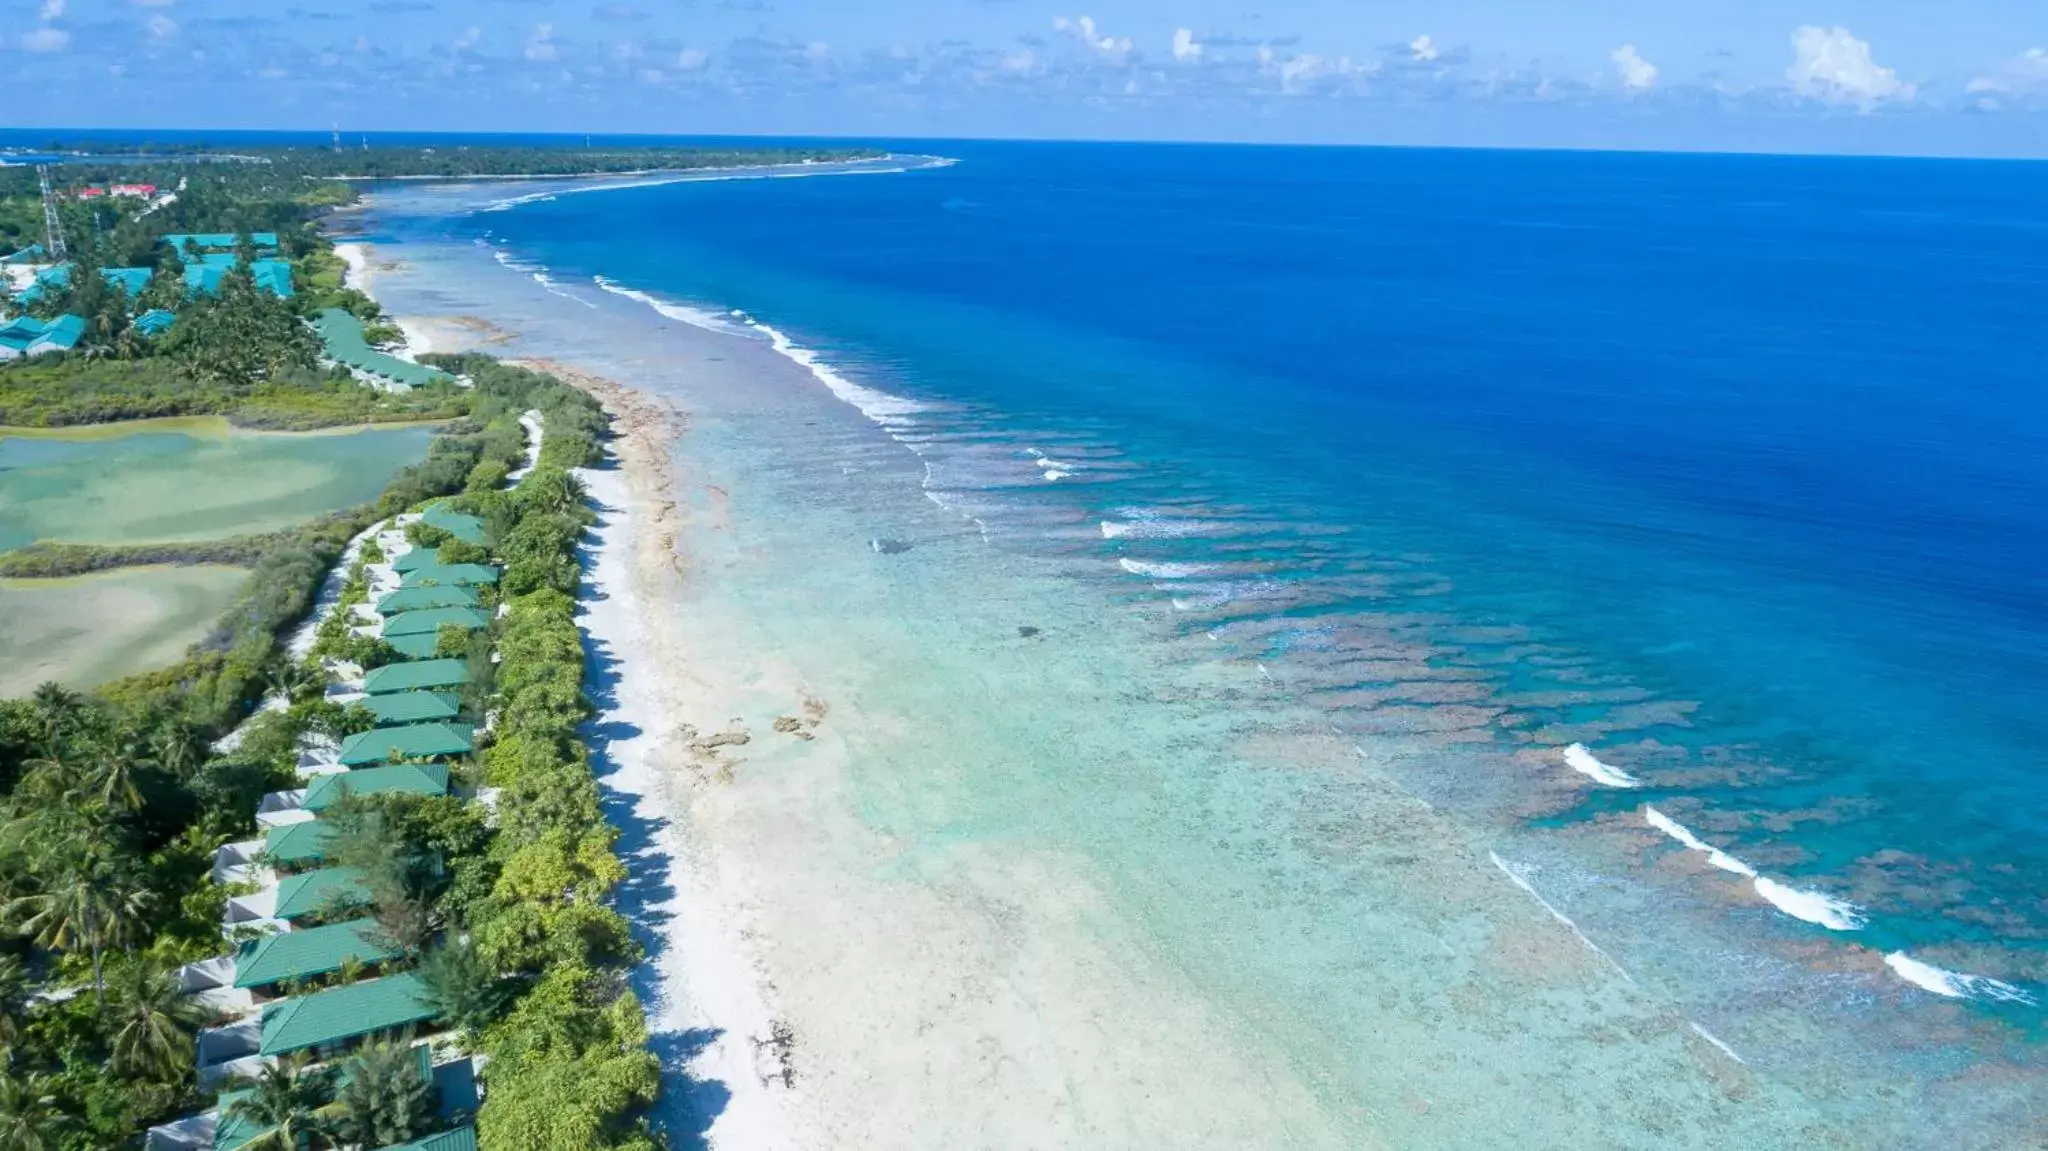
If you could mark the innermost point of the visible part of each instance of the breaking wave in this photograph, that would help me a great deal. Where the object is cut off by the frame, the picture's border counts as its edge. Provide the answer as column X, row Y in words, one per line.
column 1580, row 760
column 1818, row 907
column 1953, row 984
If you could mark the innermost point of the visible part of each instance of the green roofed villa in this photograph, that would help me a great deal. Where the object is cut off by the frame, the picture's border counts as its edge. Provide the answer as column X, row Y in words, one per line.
column 326, row 1022
column 429, row 621
column 328, row 889
column 427, row 673
column 297, row 843
column 28, row 336
column 466, row 528
column 313, row 951
column 233, row 1134
column 465, row 574
column 411, row 707
column 341, row 340
column 203, row 242
column 414, row 560
column 155, row 322
column 396, row 779
column 426, row 598
column 415, row 741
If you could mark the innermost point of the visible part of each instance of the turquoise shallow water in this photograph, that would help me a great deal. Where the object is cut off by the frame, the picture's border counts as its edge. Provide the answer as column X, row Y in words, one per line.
column 1305, row 645
column 159, row 485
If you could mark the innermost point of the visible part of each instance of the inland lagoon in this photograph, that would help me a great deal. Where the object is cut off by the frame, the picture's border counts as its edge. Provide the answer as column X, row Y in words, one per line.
column 155, row 481
column 87, row 630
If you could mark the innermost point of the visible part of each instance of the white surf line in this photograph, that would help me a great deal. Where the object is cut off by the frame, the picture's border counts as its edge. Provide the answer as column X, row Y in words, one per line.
column 1581, row 760
column 900, row 165
column 1953, row 984
column 1716, row 1041
column 1818, row 907
column 1508, row 870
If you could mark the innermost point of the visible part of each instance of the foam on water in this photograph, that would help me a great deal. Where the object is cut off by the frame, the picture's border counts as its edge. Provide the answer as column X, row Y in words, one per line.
column 1716, row 1041
column 1829, row 911
column 897, row 165
column 1145, row 523
column 1582, row 761
column 1715, row 855
column 1514, row 873
column 1953, row 984
column 1165, row 570
column 1051, row 468
column 695, row 317
column 539, row 276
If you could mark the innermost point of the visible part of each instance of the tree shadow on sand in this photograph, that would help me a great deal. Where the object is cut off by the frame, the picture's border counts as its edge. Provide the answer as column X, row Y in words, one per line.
column 688, row 1106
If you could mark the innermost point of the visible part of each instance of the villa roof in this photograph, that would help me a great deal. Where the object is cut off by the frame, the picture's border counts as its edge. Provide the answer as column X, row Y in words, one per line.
column 304, row 842
column 341, row 338
column 314, row 951
column 470, row 574
column 412, row 676
column 396, row 779
column 429, row 621
column 154, row 322
column 232, row 1133
column 311, row 891
column 343, row 1013
column 420, row 598
column 414, row 560
column 29, row 335
column 205, row 277
column 419, row 645
column 204, row 240
column 411, row 707
column 460, row 1139
column 414, row 741
column 462, row 526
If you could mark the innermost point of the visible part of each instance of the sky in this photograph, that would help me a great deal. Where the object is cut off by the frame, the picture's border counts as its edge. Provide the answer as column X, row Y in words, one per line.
column 1889, row 76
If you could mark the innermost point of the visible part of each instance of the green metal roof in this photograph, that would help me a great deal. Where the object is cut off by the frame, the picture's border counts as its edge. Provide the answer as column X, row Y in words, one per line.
column 424, row 598
column 412, row 676
column 311, row 891
column 460, row 1139
column 425, row 645
column 469, row 574
column 413, row 741
column 397, row 779
column 303, row 842
column 232, row 1134
column 414, row 560
column 411, row 707
column 205, row 240
column 464, row 527
column 343, row 1013
column 314, row 951
column 341, row 340
column 429, row 621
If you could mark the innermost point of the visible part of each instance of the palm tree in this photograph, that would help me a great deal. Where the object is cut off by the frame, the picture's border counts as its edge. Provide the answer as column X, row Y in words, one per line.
column 283, row 1103
column 87, row 903
column 30, row 1119
column 461, row 987
column 175, row 745
column 154, row 1024
column 384, row 1100
column 13, row 1003
column 553, row 490
column 56, row 709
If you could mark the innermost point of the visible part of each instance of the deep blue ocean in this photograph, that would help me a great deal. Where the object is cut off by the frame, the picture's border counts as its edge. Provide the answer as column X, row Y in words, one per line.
column 1674, row 522
column 1758, row 441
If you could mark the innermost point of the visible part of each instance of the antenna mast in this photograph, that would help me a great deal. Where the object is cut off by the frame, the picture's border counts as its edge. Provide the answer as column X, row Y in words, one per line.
column 337, row 136
column 53, row 231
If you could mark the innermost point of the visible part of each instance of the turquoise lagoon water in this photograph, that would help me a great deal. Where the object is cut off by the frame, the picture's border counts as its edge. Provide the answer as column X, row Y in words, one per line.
column 1660, row 534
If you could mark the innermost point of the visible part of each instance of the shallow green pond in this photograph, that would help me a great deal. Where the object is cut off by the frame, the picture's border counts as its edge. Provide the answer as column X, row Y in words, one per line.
column 167, row 480
column 85, row 631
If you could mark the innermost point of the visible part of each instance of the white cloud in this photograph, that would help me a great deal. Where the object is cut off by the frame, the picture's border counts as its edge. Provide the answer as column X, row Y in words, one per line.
column 1636, row 72
column 362, row 46
column 1022, row 60
column 273, row 73
column 51, row 10
column 1422, row 49
column 470, row 38
column 161, row 27
column 1185, row 46
column 692, row 60
column 1831, row 64
column 1084, row 29
column 45, row 40
column 2025, row 73
column 154, row 3
column 541, row 45
column 816, row 50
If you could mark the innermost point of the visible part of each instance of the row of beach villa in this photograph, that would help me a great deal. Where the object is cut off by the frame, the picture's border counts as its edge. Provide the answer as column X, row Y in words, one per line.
column 307, row 975
column 208, row 258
